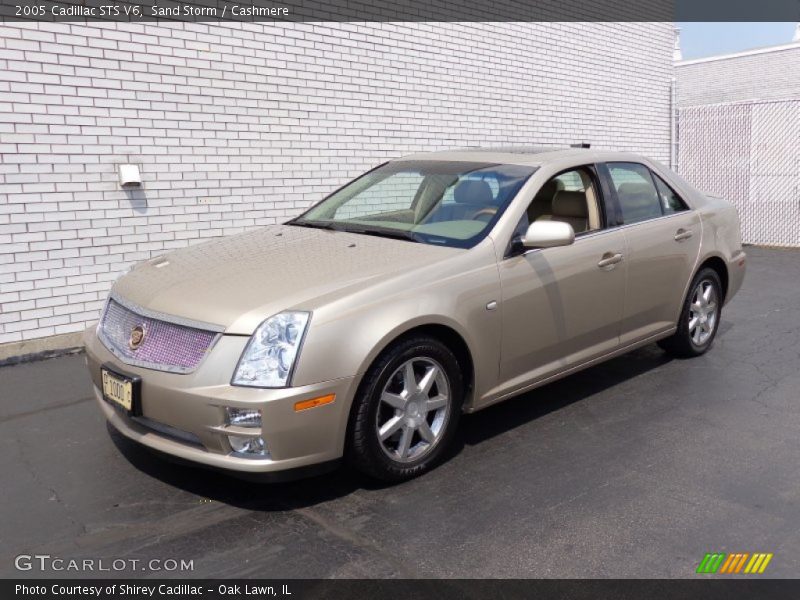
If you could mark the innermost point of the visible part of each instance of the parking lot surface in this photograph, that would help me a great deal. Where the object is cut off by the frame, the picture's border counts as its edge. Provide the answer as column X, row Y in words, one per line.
column 634, row 468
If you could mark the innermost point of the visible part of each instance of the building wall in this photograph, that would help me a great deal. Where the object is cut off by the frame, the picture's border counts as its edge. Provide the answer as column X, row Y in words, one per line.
column 770, row 75
column 747, row 153
column 240, row 125
column 738, row 131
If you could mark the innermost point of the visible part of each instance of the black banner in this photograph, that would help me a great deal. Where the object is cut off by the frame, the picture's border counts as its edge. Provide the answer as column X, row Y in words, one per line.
column 348, row 589
column 399, row 10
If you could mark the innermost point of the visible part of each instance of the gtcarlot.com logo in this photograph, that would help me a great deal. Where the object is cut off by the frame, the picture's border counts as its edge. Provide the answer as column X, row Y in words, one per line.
column 737, row 563
column 46, row 562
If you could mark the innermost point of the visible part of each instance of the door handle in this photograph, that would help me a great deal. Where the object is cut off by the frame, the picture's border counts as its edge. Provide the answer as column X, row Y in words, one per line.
column 609, row 260
column 682, row 234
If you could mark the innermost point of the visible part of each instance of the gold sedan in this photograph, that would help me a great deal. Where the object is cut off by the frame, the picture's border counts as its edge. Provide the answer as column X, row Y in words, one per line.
column 432, row 285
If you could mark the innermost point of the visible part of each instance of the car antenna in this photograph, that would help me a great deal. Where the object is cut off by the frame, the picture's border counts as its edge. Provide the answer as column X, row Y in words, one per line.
column 581, row 145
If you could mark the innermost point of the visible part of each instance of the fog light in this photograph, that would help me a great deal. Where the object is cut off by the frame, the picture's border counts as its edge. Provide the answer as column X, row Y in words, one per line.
column 243, row 417
column 248, row 445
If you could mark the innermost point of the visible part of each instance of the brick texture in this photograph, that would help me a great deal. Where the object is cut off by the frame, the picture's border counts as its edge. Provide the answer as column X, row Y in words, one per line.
column 739, row 126
column 771, row 75
column 244, row 124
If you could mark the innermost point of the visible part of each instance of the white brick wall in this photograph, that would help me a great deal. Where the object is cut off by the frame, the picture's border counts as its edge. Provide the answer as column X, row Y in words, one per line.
column 768, row 74
column 244, row 124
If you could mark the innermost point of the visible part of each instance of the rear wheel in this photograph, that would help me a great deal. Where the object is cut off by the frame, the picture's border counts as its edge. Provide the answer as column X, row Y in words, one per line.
column 407, row 411
column 699, row 319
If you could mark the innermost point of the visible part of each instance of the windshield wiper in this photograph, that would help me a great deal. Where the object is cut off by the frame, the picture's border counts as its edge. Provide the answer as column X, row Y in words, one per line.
column 316, row 224
column 398, row 234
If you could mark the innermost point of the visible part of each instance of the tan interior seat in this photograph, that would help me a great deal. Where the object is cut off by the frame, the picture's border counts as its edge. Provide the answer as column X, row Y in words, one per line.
column 543, row 201
column 470, row 197
column 569, row 207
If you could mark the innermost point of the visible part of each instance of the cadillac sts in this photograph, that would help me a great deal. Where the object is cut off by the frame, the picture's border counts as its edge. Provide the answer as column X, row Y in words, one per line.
column 432, row 285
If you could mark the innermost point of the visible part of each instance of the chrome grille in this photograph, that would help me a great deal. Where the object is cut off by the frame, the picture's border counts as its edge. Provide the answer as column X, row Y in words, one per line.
column 166, row 345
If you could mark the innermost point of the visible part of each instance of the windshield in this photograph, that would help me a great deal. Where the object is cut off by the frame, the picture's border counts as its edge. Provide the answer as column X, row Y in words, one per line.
column 435, row 202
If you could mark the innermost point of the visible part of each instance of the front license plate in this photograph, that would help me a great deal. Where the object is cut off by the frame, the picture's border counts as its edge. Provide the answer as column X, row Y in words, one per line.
column 119, row 389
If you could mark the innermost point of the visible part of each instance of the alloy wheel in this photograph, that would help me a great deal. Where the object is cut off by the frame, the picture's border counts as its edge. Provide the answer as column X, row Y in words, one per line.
column 703, row 312
column 413, row 410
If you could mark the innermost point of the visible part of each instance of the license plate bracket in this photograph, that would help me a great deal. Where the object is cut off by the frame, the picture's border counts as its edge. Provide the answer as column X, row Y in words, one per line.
column 121, row 389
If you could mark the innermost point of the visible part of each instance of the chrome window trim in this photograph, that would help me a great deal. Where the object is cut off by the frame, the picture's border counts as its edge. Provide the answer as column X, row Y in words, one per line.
column 158, row 316
column 669, row 216
column 591, row 234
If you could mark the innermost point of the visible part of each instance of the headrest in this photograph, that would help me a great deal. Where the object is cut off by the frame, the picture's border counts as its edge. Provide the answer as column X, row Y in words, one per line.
column 570, row 204
column 474, row 192
column 549, row 189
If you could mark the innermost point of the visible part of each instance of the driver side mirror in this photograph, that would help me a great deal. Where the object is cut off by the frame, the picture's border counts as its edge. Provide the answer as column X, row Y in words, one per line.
column 548, row 234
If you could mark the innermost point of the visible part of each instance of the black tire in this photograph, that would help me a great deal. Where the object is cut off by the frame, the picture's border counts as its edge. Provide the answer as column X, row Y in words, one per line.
column 365, row 451
column 681, row 344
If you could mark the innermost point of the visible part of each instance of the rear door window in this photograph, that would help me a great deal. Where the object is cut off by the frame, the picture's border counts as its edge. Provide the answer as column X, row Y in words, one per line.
column 638, row 198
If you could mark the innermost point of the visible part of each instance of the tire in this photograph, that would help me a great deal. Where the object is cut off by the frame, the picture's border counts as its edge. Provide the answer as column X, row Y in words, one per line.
column 386, row 403
column 694, row 338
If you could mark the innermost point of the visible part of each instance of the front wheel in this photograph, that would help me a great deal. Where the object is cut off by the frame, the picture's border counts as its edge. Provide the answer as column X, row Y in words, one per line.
column 699, row 318
column 407, row 410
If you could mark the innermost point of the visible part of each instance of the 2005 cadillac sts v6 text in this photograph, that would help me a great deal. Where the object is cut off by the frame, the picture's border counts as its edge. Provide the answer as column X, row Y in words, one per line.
column 432, row 285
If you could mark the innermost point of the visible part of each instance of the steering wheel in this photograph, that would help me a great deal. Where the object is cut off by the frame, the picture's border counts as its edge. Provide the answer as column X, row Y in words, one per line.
column 484, row 212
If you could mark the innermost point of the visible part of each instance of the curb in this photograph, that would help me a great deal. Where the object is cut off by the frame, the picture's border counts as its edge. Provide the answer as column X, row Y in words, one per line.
column 15, row 353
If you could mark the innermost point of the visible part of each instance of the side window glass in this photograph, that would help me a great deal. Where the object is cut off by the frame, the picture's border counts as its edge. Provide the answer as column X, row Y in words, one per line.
column 571, row 181
column 637, row 195
column 570, row 197
column 670, row 201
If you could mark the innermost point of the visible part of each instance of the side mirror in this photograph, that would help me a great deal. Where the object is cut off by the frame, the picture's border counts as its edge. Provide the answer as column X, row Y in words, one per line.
column 547, row 234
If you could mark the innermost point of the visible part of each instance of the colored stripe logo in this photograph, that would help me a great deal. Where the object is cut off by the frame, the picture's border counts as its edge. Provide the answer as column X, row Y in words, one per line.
column 736, row 563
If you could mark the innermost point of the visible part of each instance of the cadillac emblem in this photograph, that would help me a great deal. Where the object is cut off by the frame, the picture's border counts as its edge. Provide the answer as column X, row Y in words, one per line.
column 137, row 337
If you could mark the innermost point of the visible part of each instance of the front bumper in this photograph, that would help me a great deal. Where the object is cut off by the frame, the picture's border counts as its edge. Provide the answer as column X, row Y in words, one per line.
column 183, row 415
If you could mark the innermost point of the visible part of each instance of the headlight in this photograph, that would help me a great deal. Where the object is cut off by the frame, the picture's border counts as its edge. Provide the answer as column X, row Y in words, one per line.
column 270, row 354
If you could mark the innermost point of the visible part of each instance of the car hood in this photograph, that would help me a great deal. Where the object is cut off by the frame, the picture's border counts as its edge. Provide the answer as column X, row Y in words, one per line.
column 238, row 281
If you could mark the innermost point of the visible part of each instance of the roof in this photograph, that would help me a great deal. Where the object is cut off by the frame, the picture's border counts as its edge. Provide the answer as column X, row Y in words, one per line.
column 519, row 155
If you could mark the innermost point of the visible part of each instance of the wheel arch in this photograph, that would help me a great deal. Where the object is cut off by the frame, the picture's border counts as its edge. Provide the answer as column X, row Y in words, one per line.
column 444, row 332
column 454, row 341
column 719, row 265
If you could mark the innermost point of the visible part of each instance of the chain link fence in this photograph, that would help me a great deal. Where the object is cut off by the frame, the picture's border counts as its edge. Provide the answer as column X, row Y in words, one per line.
column 748, row 153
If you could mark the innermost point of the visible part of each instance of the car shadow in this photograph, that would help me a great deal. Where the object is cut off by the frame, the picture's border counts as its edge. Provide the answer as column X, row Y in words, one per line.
column 474, row 429
column 505, row 416
column 218, row 486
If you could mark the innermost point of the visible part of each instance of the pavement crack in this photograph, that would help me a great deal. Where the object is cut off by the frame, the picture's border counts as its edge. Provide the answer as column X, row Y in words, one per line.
column 45, row 409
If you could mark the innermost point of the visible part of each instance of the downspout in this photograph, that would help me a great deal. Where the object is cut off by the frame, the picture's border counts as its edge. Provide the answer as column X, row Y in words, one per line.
column 674, row 133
